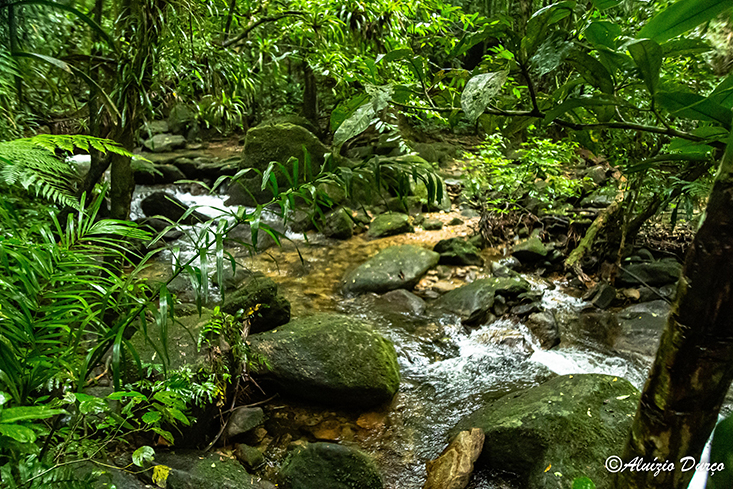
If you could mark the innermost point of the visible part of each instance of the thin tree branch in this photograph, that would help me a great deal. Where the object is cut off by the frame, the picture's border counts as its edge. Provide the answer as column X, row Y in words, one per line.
column 263, row 20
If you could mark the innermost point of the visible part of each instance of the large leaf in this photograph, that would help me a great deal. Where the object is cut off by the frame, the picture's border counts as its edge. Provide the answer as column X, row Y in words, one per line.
column 589, row 103
column 344, row 110
column 685, row 47
column 723, row 93
column 354, row 125
column 592, row 71
column 681, row 17
column 647, row 55
column 605, row 4
column 538, row 25
column 551, row 53
column 721, row 453
column 480, row 91
column 380, row 96
column 18, row 432
column 694, row 106
column 27, row 413
column 603, row 33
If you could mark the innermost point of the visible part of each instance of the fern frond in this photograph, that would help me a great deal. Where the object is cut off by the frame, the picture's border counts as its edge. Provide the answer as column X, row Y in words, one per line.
column 32, row 164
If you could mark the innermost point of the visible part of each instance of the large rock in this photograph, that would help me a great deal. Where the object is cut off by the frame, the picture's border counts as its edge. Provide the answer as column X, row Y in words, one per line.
column 401, row 301
column 338, row 224
column 181, row 119
column 655, row 273
column 544, row 327
column 641, row 326
column 159, row 174
column 472, row 302
column 457, row 251
column 259, row 292
column 453, row 468
column 530, row 250
column 396, row 267
column 330, row 359
column 278, row 142
column 242, row 420
column 571, row 424
column 202, row 470
column 389, row 224
column 329, row 466
column 207, row 168
column 166, row 205
column 164, row 143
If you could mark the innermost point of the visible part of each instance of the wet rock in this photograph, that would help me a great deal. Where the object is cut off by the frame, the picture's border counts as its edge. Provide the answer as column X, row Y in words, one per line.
column 339, row 224
column 329, row 359
column 164, row 143
column 389, row 225
column 161, row 174
column 152, row 128
column 273, row 310
column 242, row 420
column 453, row 468
column 544, row 327
column 393, row 268
column 156, row 226
column 329, row 466
column 657, row 273
column 600, row 326
column 570, row 422
column 103, row 476
column 205, row 168
column 604, row 295
column 524, row 309
column 530, row 250
column 473, row 301
column 202, row 470
column 410, row 205
column 402, row 302
column 241, row 235
column 231, row 278
column 166, row 205
column 250, row 456
column 432, row 225
column 641, row 327
column 300, row 221
column 456, row 251
column 278, row 142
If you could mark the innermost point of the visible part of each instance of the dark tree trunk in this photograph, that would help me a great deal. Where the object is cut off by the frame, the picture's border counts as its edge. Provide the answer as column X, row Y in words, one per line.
column 310, row 95
column 13, row 35
column 693, row 369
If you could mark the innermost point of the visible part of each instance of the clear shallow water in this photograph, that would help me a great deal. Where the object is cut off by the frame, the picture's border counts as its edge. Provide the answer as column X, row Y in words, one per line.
column 448, row 371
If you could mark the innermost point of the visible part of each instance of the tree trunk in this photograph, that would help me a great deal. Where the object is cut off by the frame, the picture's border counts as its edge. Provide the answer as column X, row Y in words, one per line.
column 310, row 95
column 123, row 179
column 693, row 369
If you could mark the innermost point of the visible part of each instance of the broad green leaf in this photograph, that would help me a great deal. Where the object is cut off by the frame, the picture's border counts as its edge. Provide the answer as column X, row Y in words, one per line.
column 711, row 133
column 583, row 483
column 345, row 109
column 681, row 17
column 592, row 71
column 723, row 93
column 551, row 53
column 685, row 146
column 480, row 91
column 266, row 175
column 18, row 432
column 685, row 47
column 4, row 398
column 142, row 455
column 23, row 413
column 394, row 55
column 603, row 33
column 647, row 55
column 380, row 96
column 695, row 107
column 605, row 4
column 354, row 125
column 538, row 25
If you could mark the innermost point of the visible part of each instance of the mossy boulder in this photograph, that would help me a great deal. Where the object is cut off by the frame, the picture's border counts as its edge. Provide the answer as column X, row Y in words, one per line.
column 276, row 142
column 259, row 292
column 201, row 470
column 650, row 273
column 338, row 224
column 473, row 302
column 530, row 250
column 329, row 359
column 389, row 224
column 329, row 466
column 457, row 251
column 397, row 267
column 572, row 423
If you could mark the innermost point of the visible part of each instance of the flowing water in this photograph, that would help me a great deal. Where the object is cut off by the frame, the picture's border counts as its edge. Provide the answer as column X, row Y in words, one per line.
column 448, row 371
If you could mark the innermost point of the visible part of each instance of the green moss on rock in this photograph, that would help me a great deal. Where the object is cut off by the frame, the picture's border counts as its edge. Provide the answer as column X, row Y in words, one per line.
column 330, row 466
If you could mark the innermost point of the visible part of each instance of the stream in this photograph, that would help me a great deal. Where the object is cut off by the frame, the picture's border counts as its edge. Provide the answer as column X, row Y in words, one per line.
column 448, row 370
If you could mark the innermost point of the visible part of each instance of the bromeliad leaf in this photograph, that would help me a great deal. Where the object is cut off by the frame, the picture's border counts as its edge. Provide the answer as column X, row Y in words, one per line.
column 480, row 91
